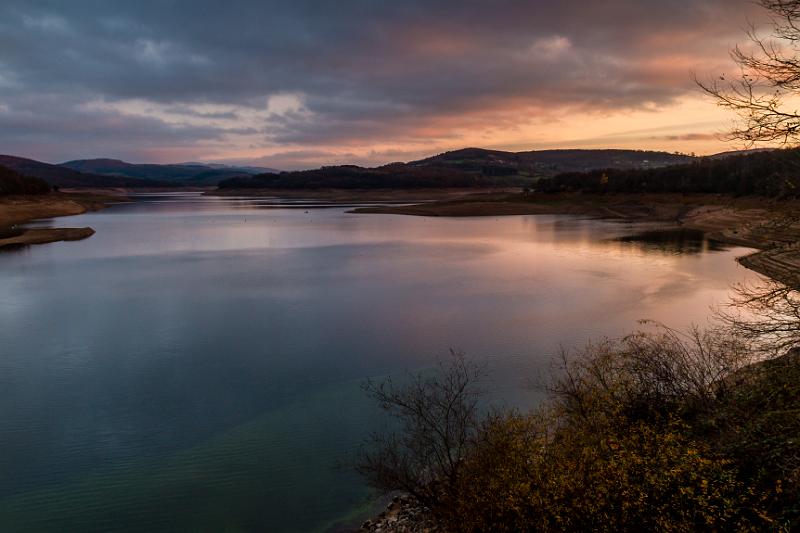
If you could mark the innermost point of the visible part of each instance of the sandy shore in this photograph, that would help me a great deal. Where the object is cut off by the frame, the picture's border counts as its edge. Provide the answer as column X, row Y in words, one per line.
column 46, row 235
column 16, row 210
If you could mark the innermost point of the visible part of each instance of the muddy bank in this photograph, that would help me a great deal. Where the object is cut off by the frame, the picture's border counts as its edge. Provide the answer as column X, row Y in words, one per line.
column 17, row 210
column 28, row 237
column 664, row 207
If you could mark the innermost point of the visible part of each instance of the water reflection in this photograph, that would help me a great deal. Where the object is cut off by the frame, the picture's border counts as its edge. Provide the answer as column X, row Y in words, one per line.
column 674, row 241
column 197, row 360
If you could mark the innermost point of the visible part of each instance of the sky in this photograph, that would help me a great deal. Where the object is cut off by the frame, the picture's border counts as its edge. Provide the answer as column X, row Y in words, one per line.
column 300, row 84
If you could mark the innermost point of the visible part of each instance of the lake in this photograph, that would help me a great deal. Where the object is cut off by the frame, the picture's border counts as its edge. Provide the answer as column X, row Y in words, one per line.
column 196, row 364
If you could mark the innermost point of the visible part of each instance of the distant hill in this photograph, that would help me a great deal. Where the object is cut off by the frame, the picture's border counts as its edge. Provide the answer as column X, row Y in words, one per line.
column 12, row 182
column 542, row 163
column 193, row 174
column 65, row 177
column 723, row 155
column 392, row 176
column 245, row 168
column 469, row 167
column 465, row 168
column 772, row 173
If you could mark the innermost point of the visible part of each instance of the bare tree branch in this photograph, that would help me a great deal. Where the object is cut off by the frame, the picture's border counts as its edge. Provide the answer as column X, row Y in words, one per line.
column 769, row 76
column 437, row 421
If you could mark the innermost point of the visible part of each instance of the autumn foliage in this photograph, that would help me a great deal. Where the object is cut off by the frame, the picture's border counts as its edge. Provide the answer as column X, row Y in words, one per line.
column 660, row 431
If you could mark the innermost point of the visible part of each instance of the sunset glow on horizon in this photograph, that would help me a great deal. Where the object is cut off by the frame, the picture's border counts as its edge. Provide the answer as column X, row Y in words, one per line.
column 311, row 84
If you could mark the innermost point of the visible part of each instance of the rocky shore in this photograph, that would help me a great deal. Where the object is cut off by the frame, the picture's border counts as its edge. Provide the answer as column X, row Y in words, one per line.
column 403, row 515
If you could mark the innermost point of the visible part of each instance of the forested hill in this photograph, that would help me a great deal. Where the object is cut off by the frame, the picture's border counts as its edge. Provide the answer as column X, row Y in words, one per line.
column 470, row 167
column 774, row 173
column 194, row 174
column 15, row 183
column 67, row 177
column 393, row 176
column 550, row 162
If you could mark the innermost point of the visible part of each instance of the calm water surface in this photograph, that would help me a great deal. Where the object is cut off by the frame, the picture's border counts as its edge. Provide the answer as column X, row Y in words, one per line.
column 195, row 365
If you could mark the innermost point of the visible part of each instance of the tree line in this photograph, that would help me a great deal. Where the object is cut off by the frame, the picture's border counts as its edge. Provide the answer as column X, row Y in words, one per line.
column 391, row 176
column 14, row 183
column 773, row 174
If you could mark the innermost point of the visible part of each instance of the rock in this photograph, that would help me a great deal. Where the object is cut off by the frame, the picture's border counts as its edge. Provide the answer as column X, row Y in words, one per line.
column 403, row 515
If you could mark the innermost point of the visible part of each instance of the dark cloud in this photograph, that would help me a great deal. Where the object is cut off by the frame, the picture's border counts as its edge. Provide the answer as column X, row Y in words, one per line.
column 66, row 127
column 182, row 73
column 690, row 137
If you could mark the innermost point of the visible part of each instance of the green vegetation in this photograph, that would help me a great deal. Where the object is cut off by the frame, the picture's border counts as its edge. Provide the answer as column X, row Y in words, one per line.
column 767, row 173
column 659, row 431
column 13, row 183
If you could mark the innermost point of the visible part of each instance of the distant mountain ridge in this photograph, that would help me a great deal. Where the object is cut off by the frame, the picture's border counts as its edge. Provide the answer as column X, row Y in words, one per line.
column 59, row 176
column 105, row 172
column 249, row 168
column 191, row 174
column 734, row 153
column 550, row 162
column 467, row 167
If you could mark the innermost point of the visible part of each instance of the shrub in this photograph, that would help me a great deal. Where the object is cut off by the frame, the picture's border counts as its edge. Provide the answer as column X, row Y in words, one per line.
column 437, row 422
column 632, row 477
column 659, row 431
column 757, row 425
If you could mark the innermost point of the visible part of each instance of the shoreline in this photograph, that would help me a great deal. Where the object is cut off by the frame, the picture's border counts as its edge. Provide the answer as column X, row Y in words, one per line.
column 393, row 196
column 743, row 221
column 18, row 210
column 747, row 221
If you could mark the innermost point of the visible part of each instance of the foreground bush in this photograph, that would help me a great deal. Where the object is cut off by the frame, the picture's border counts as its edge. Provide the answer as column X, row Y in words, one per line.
column 757, row 426
column 630, row 478
column 661, row 432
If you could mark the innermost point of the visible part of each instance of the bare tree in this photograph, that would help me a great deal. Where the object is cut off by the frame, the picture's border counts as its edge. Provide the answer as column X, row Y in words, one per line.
column 649, row 375
column 764, row 95
column 766, row 313
column 769, row 77
column 437, row 418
